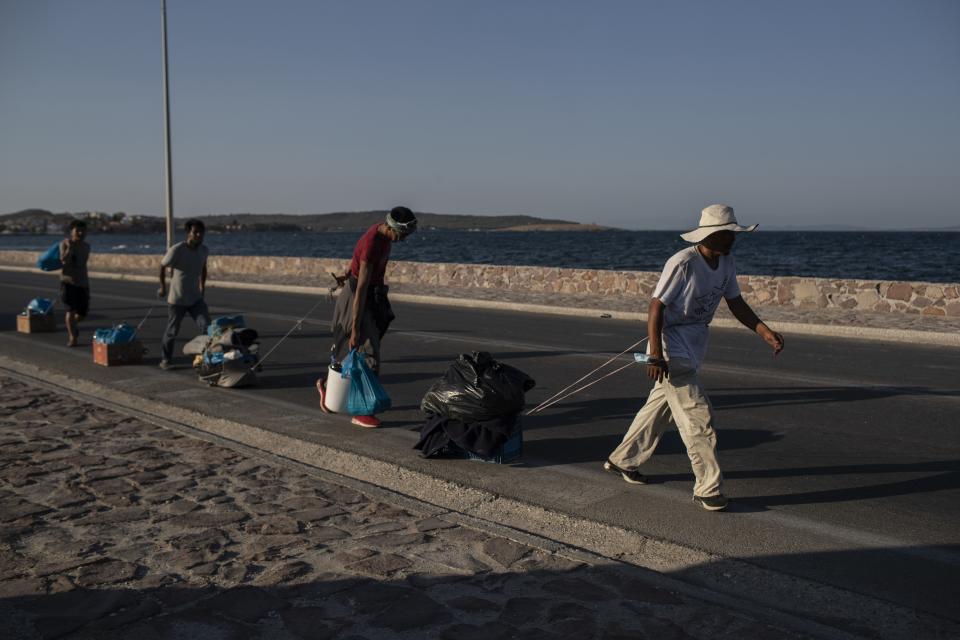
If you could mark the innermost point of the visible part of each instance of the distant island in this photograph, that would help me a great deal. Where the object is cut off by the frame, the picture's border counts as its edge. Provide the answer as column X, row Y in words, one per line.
column 40, row 221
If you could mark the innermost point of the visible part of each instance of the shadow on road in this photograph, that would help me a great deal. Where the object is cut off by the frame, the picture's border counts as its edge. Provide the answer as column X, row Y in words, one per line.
column 502, row 356
column 403, row 378
column 596, row 601
column 583, row 412
column 296, row 335
column 597, row 448
column 945, row 476
column 780, row 396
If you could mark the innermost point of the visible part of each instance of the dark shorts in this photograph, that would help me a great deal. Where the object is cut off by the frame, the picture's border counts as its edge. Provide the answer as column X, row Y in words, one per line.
column 76, row 299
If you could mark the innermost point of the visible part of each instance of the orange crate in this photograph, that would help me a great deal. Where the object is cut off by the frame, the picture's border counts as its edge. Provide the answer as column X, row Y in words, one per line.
column 35, row 323
column 111, row 355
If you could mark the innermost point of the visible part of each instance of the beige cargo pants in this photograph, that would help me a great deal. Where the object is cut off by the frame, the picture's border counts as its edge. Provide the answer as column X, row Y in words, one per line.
column 679, row 400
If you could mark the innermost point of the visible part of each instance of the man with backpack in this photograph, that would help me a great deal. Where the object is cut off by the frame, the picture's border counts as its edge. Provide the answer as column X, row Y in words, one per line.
column 74, row 281
column 362, row 313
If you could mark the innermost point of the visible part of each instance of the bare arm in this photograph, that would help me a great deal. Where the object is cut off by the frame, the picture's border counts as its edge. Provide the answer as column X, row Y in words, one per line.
column 203, row 279
column 66, row 250
column 163, row 281
column 657, row 369
column 742, row 312
column 359, row 304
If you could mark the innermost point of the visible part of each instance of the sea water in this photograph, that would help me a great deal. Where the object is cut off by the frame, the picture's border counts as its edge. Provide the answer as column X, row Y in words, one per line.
column 908, row 255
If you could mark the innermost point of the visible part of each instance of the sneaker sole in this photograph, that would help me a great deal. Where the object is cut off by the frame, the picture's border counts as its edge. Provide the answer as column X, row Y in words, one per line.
column 609, row 467
column 709, row 508
column 365, row 426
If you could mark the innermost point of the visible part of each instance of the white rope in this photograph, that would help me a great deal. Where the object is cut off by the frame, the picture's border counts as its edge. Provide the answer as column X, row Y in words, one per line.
column 297, row 325
column 575, row 391
column 144, row 319
column 576, row 382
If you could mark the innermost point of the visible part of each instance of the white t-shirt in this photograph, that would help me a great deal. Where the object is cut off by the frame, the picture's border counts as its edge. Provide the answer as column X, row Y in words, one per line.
column 187, row 266
column 690, row 292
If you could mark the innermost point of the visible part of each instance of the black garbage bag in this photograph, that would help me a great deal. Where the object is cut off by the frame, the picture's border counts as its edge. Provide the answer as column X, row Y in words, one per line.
column 476, row 388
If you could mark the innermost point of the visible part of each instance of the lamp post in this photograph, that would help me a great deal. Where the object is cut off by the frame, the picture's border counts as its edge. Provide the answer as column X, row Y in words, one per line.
column 166, row 128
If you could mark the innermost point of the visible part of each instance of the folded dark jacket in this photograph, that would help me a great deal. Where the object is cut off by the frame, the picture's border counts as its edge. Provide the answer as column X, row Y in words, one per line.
column 482, row 438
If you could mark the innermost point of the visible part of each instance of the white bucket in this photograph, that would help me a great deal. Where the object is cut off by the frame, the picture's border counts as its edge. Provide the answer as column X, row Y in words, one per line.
column 338, row 389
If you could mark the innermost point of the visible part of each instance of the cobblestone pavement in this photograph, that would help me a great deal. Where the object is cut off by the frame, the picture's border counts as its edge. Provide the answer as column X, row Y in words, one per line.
column 111, row 527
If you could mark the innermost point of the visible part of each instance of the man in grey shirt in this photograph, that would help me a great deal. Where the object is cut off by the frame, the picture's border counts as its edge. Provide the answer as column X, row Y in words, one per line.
column 188, row 262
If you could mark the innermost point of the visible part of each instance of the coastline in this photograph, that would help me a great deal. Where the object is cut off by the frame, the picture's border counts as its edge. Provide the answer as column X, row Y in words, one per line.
column 878, row 310
column 928, row 258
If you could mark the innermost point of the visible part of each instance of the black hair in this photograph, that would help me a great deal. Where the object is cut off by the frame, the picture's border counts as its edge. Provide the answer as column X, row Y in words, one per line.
column 78, row 224
column 193, row 222
column 402, row 215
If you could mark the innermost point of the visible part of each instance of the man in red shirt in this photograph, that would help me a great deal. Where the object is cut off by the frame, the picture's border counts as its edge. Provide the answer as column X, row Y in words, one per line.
column 362, row 313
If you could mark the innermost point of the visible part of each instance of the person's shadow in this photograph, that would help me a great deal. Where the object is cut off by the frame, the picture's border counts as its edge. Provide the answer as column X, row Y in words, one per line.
column 940, row 476
column 554, row 451
column 744, row 397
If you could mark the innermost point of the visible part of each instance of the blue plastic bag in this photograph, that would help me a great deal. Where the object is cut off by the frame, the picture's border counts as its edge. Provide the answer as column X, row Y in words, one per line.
column 213, row 357
column 219, row 325
column 49, row 260
column 367, row 396
column 40, row 306
column 120, row 334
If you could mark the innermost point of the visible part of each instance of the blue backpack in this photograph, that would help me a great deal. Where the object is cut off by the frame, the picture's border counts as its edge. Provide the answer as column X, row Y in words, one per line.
column 49, row 260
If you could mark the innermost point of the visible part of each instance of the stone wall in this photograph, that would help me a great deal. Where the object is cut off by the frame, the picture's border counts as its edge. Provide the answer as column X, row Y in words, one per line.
column 932, row 299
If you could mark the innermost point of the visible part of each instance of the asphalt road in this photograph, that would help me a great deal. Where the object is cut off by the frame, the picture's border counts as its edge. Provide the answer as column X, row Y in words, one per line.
column 842, row 457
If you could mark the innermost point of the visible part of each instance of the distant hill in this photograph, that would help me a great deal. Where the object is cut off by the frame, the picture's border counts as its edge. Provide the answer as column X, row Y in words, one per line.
column 360, row 220
column 821, row 227
column 42, row 221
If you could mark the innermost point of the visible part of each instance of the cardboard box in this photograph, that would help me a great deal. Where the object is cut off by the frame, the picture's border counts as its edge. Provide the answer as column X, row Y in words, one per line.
column 36, row 323
column 111, row 355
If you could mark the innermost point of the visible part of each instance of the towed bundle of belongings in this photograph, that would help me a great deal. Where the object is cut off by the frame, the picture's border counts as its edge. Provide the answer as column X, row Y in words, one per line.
column 117, row 345
column 473, row 411
column 120, row 334
column 227, row 355
column 37, row 316
column 39, row 307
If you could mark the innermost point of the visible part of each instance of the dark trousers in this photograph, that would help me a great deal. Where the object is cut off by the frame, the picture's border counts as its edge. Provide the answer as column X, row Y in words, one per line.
column 175, row 312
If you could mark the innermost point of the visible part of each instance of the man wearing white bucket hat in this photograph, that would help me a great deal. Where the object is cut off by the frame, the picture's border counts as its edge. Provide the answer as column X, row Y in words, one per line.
column 683, row 303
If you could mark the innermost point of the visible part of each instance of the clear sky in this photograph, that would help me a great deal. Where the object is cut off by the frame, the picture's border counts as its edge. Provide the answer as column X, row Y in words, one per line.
column 633, row 114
